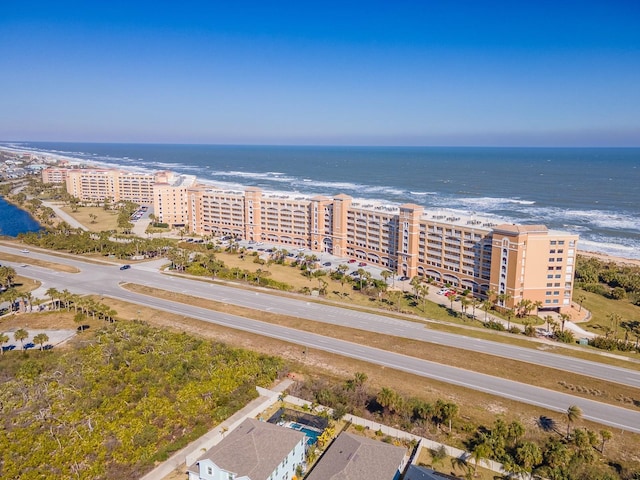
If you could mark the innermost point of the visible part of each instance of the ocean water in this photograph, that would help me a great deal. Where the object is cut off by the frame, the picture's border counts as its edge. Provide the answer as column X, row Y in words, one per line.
column 14, row 221
column 594, row 192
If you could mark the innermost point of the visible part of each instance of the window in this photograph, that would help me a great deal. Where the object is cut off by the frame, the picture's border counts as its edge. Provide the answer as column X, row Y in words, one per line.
column 209, row 470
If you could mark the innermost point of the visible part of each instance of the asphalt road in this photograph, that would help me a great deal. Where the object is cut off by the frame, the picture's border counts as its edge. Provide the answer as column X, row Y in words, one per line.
column 104, row 280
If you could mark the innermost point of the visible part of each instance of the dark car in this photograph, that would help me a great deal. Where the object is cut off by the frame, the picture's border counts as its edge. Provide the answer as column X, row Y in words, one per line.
column 125, row 267
column 326, row 264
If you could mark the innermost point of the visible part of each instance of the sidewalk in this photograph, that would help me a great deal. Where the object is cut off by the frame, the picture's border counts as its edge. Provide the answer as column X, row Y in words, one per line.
column 64, row 216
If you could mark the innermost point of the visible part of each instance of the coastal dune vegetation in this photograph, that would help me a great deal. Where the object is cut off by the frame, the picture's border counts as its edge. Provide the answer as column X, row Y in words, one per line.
column 118, row 400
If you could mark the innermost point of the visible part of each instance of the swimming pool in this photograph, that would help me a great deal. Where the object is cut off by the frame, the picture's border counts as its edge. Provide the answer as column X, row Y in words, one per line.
column 311, row 433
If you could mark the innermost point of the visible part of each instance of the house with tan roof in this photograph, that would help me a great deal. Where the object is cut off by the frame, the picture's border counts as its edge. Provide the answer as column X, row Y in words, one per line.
column 353, row 457
column 255, row 450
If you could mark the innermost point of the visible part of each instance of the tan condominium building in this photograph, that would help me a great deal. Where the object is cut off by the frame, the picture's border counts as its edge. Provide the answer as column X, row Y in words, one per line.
column 98, row 184
column 516, row 262
column 55, row 174
column 170, row 198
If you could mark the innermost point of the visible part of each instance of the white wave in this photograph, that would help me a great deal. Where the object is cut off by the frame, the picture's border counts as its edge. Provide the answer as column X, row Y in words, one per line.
column 626, row 248
column 592, row 218
column 423, row 194
column 330, row 186
column 483, row 203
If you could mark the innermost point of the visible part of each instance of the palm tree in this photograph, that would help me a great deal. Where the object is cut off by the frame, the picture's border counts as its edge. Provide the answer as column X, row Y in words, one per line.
column 549, row 320
column 581, row 298
column 509, row 317
column 4, row 338
column 20, row 336
column 261, row 273
column 11, row 295
column 386, row 398
column 563, row 318
column 574, row 413
column 448, row 411
column 27, row 297
column 41, row 339
column 515, row 431
column 464, row 304
column 614, row 318
column 385, row 274
column 342, row 269
column 396, row 296
column 528, row 455
column 504, row 298
column 486, row 306
column 537, row 305
column 53, row 294
column 479, row 453
column 606, row 435
column 424, row 291
column 474, row 303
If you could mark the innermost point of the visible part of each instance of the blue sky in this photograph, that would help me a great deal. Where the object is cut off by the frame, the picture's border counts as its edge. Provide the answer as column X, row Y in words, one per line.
column 343, row 73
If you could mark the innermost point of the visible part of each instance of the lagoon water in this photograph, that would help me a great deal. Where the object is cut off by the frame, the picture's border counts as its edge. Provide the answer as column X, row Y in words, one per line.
column 14, row 221
column 594, row 192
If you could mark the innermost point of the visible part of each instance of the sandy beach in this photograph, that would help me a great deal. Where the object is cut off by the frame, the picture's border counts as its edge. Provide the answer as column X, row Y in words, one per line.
column 610, row 258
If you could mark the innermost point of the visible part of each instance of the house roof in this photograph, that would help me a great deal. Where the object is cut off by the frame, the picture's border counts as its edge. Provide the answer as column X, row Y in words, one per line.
column 421, row 473
column 352, row 457
column 253, row 449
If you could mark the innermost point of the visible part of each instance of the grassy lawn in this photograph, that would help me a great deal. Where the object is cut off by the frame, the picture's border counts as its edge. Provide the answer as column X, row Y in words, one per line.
column 601, row 307
column 105, row 220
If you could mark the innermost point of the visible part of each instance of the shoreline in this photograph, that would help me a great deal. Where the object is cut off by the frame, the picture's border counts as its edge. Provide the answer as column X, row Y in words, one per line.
column 57, row 157
column 605, row 257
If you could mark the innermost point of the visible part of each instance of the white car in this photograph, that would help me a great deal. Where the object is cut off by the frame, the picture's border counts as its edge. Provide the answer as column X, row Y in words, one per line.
column 24, row 250
column 444, row 291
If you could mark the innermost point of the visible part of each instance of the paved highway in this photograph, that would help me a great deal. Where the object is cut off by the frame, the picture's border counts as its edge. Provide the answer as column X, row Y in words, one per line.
column 103, row 280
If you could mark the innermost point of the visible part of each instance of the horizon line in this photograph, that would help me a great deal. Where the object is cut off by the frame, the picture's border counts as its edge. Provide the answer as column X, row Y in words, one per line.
column 313, row 145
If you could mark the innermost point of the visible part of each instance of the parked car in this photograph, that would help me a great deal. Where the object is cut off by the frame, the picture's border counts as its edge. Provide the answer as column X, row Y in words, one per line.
column 125, row 267
column 362, row 264
column 444, row 291
column 353, row 260
column 326, row 264
column 403, row 279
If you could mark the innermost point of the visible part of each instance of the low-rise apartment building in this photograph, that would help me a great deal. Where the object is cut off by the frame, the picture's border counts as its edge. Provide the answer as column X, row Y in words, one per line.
column 98, row 184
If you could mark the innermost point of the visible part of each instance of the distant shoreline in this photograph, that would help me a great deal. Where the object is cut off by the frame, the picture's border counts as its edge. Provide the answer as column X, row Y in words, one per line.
column 592, row 248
